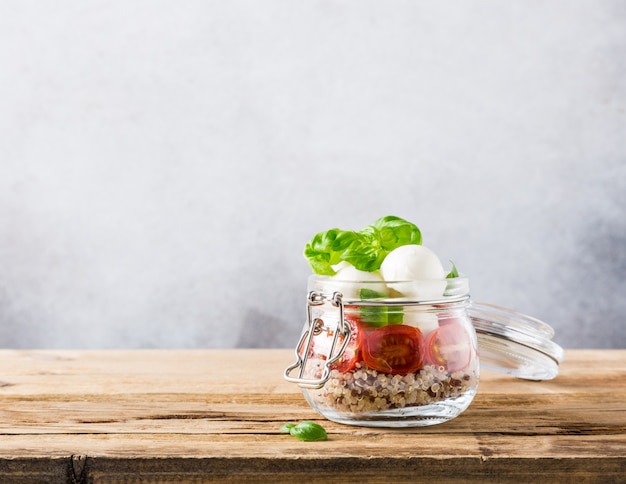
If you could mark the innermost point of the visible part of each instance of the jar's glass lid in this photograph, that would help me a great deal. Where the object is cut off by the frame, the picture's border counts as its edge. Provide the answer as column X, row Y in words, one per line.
column 514, row 343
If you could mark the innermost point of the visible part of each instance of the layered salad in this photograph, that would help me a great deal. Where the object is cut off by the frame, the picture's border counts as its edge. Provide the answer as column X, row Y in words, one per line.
column 410, row 342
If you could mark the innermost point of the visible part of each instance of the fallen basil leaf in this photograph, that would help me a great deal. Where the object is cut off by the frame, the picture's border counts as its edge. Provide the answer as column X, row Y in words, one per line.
column 306, row 430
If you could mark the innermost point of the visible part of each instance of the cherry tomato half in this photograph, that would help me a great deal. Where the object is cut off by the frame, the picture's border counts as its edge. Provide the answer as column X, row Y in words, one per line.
column 449, row 346
column 321, row 343
column 353, row 353
column 395, row 349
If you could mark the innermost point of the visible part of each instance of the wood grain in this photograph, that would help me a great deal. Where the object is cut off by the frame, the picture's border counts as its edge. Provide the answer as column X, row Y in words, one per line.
column 214, row 416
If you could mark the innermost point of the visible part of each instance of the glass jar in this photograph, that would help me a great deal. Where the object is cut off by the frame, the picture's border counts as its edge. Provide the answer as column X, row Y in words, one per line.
column 406, row 353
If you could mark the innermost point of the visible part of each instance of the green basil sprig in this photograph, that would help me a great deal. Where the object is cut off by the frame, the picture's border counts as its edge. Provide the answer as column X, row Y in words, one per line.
column 305, row 430
column 365, row 249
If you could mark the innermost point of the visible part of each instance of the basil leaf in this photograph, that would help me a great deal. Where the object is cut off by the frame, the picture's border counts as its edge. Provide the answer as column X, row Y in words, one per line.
column 306, row 430
column 379, row 316
column 364, row 255
column 365, row 249
column 366, row 293
column 453, row 272
column 394, row 232
column 325, row 249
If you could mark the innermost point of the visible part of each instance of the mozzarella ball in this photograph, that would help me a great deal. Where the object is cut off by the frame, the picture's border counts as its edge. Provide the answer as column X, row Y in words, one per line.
column 419, row 269
column 411, row 263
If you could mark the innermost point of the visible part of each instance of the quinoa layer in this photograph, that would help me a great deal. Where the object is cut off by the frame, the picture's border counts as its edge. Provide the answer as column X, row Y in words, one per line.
column 365, row 389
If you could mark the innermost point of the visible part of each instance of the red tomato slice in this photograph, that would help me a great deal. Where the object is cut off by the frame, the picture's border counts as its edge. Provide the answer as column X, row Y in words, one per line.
column 352, row 354
column 321, row 343
column 395, row 349
column 449, row 346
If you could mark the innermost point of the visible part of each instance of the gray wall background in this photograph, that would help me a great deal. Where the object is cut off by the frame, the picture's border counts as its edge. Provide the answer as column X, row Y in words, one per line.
column 163, row 163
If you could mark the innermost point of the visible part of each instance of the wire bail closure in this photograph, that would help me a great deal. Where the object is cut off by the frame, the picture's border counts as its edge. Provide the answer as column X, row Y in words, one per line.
column 314, row 327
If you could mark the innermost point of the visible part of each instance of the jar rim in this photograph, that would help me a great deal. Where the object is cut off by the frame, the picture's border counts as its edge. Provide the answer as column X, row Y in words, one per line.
column 323, row 277
column 417, row 291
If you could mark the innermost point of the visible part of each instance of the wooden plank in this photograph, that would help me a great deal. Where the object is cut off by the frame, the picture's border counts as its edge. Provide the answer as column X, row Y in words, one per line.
column 214, row 415
column 544, row 415
column 127, row 457
column 360, row 444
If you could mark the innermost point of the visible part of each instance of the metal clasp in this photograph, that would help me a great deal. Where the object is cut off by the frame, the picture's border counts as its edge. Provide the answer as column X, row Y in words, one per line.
column 315, row 327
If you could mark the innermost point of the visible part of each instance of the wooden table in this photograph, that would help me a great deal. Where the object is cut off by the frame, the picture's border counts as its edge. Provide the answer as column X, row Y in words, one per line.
column 214, row 415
